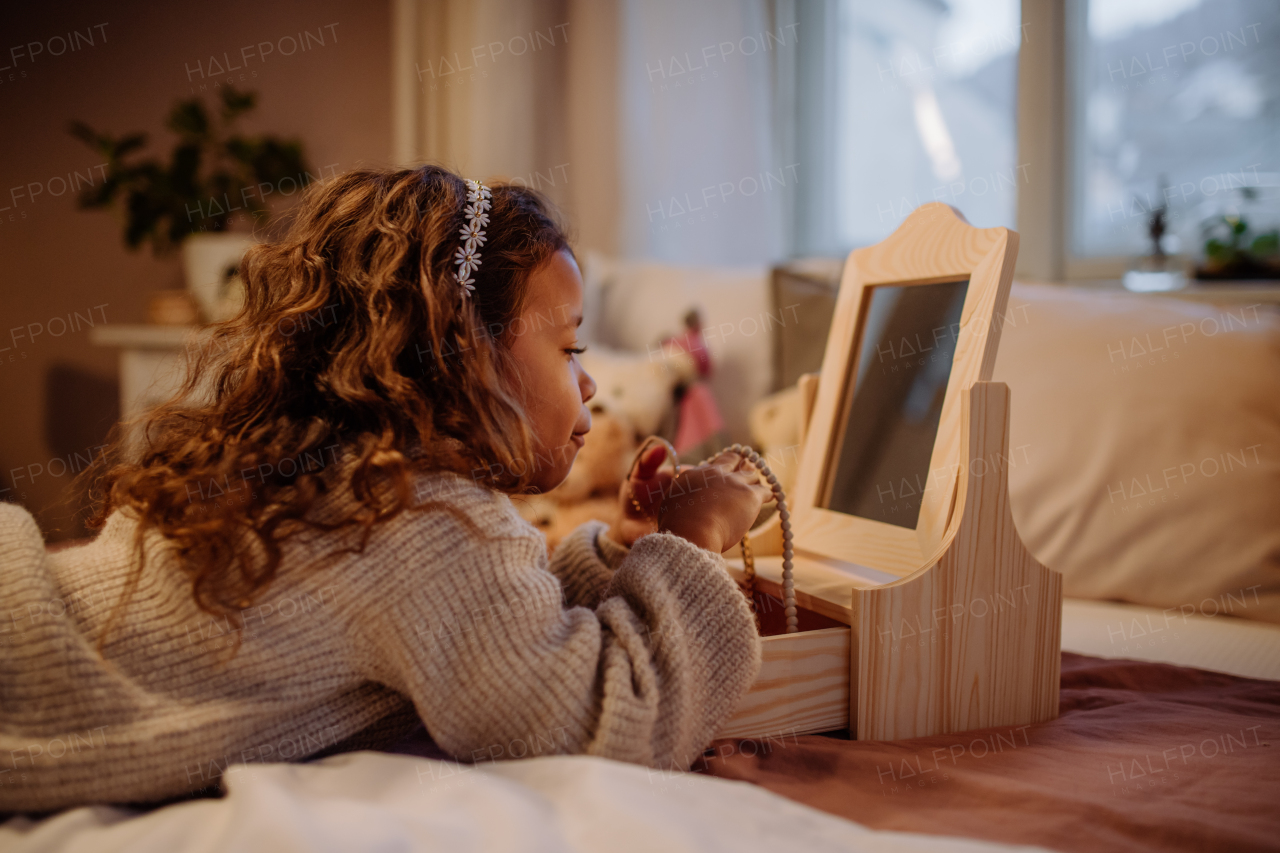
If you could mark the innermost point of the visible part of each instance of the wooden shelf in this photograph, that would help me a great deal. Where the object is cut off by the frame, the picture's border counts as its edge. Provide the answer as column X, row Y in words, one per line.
column 1226, row 292
column 146, row 336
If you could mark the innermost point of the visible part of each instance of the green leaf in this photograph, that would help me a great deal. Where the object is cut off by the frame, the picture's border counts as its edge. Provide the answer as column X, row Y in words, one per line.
column 1267, row 243
column 189, row 119
column 101, row 195
column 85, row 134
column 165, row 202
column 141, row 220
column 125, row 144
column 241, row 150
column 280, row 158
column 236, row 103
column 184, row 171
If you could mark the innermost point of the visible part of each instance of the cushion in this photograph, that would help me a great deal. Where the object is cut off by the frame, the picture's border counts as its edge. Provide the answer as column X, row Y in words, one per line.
column 1145, row 435
column 632, row 305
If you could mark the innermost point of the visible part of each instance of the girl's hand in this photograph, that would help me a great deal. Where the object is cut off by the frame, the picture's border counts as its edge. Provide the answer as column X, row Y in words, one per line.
column 646, row 485
column 713, row 505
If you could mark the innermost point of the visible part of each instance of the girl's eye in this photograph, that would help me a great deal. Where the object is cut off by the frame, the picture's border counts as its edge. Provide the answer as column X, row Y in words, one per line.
column 576, row 350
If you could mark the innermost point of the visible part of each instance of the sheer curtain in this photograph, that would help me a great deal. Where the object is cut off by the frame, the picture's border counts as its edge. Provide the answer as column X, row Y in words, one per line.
column 479, row 87
column 662, row 128
column 706, row 175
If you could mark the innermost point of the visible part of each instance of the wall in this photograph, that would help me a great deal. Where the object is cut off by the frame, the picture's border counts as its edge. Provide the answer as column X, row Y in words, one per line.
column 58, row 393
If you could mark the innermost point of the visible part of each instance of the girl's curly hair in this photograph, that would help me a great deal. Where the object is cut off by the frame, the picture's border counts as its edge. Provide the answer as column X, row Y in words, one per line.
column 354, row 342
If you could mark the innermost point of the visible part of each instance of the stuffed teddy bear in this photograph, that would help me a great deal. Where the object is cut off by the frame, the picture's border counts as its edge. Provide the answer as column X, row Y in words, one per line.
column 602, row 463
column 775, row 429
column 638, row 386
column 591, row 489
column 634, row 396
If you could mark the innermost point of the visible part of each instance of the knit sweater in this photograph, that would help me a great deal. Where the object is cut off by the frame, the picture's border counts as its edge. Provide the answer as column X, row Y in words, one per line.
column 632, row 654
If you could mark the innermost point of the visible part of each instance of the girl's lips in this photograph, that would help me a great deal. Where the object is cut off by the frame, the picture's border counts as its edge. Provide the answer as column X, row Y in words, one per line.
column 579, row 438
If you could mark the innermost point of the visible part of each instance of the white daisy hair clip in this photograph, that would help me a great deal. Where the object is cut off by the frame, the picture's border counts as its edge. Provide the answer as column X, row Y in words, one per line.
column 477, row 214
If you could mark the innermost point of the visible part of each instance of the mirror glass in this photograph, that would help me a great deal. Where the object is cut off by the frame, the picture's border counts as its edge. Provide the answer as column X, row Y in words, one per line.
column 881, row 466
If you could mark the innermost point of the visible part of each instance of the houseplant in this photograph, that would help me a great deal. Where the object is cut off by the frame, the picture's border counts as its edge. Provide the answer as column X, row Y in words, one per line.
column 1233, row 250
column 213, row 176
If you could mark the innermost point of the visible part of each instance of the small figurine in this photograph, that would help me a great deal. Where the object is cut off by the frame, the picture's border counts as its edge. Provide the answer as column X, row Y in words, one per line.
column 699, row 420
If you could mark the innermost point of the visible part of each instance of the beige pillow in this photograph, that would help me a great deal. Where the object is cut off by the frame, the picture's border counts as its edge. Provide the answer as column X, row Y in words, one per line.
column 1146, row 437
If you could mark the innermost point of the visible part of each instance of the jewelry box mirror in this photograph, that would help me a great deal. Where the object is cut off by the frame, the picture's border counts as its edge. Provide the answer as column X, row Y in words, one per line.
column 892, row 520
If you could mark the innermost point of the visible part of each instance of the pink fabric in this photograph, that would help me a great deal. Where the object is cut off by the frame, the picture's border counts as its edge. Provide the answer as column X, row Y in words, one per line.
column 1144, row 756
column 699, row 418
column 693, row 343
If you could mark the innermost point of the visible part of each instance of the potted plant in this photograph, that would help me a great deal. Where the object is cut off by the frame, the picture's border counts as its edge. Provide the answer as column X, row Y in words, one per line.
column 213, row 175
column 1232, row 250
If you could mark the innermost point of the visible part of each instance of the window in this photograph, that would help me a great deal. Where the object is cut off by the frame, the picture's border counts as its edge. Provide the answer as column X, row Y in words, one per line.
column 918, row 102
column 1174, row 104
column 1131, row 105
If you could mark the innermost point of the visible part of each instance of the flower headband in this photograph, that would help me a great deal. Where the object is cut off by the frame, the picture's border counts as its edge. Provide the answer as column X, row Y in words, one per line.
column 477, row 213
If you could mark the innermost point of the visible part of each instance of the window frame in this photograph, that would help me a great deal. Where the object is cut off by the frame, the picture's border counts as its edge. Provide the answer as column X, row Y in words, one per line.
column 1046, row 105
column 1045, row 126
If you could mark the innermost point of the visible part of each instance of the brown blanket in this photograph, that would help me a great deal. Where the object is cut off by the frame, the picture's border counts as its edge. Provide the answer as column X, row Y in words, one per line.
column 1144, row 756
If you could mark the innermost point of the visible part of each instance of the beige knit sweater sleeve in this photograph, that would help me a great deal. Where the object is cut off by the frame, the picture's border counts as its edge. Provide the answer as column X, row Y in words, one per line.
column 637, row 655
column 585, row 562
column 650, row 662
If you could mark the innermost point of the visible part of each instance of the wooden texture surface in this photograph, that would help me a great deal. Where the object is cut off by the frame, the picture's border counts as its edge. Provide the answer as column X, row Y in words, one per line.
column 954, row 625
column 808, row 387
column 803, row 687
column 973, row 639
column 933, row 244
column 825, row 591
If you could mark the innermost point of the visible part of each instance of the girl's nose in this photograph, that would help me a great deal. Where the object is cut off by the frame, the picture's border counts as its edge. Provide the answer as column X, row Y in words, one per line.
column 587, row 385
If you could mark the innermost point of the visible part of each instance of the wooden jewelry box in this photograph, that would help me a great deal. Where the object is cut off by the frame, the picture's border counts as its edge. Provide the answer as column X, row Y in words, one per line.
column 921, row 611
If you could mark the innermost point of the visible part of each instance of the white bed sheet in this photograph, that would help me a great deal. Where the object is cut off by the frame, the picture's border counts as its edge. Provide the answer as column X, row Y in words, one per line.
column 1182, row 636
column 373, row 801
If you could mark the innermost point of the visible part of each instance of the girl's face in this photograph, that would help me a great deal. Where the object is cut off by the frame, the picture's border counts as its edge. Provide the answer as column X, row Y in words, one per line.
column 550, row 381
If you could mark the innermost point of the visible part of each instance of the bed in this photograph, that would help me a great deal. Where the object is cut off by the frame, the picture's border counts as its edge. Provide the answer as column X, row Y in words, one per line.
column 1131, row 417
column 1169, row 720
column 1146, row 755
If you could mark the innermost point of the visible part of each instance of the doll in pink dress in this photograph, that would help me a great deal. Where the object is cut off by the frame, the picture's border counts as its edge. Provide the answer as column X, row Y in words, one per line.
column 700, row 422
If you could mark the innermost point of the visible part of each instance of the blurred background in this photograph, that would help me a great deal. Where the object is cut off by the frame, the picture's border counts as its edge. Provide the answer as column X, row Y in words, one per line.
column 756, row 136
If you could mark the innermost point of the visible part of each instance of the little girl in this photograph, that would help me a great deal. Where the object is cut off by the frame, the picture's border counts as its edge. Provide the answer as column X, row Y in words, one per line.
column 316, row 547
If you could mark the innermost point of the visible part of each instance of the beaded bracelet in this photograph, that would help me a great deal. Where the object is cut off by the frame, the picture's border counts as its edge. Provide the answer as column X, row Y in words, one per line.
column 748, row 560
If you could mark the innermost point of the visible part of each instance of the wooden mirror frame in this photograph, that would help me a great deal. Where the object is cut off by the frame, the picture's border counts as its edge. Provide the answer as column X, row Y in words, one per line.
column 953, row 250
column 896, row 646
